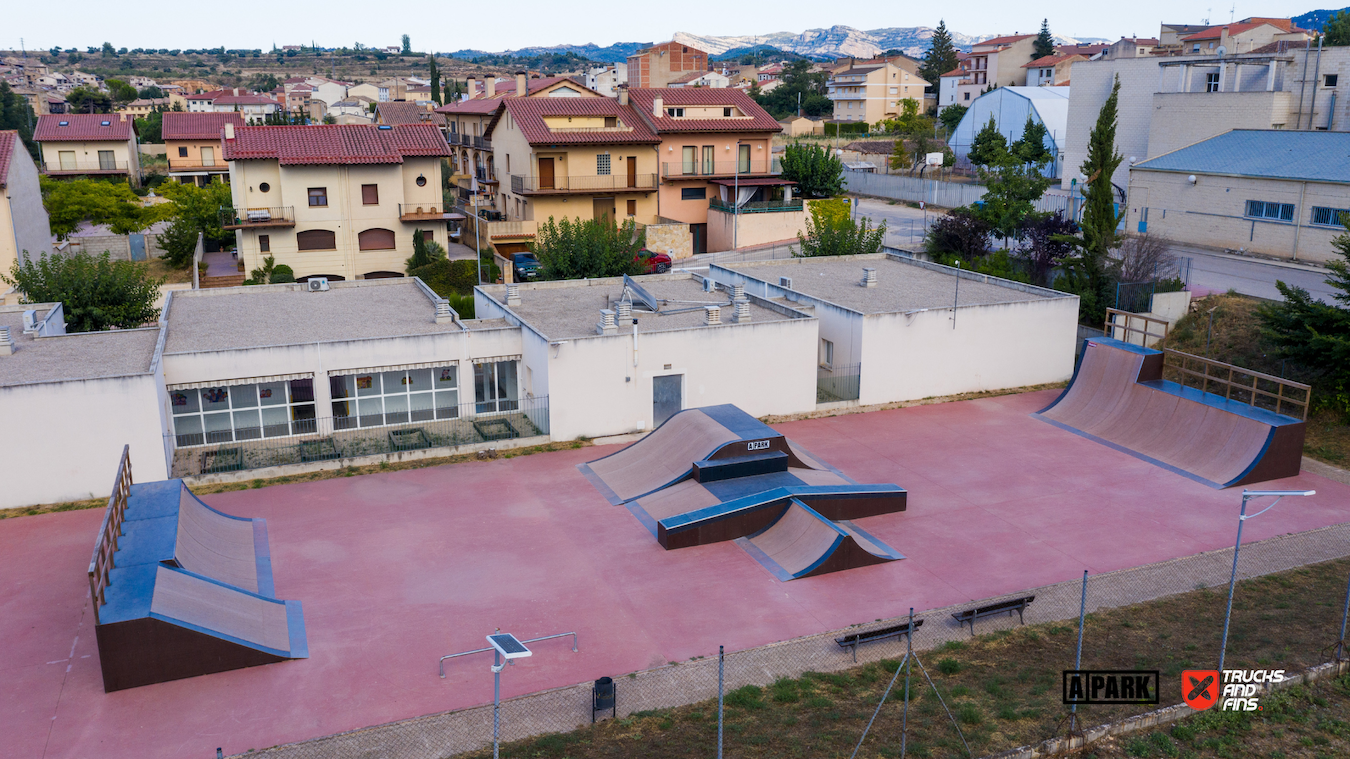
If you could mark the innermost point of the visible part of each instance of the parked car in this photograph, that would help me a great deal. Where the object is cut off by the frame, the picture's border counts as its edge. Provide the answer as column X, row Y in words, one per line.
column 526, row 266
column 655, row 263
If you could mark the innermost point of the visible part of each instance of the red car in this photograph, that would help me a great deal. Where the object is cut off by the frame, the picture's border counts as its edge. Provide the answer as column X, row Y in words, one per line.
column 655, row 263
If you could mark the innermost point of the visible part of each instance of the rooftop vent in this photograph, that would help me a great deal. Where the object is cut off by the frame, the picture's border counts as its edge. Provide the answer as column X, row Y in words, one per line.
column 785, row 283
column 443, row 312
column 738, row 291
column 317, row 284
column 512, row 294
column 869, row 277
column 30, row 321
column 607, row 325
column 624, row 311
column 6, row 342
column 712, row 315
column 742, row 311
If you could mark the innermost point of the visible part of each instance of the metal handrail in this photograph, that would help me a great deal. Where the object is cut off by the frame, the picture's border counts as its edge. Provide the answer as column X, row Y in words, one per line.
column 106, row 545
column 1230, row 385
column 508, row 661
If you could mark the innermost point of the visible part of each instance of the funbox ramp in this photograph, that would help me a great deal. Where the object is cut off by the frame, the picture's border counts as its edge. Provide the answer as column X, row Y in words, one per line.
column 802, row 543
column 668, row 454
column 1118, row 397
column 190, row 593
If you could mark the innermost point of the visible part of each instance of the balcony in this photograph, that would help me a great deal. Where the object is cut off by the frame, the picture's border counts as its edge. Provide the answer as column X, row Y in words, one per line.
column 190, row 164
column 75, row 168
column 256, row 218
column 717, row 169
column 766, row 206
column 562, row 183
column 423, row 212
column 519, row 228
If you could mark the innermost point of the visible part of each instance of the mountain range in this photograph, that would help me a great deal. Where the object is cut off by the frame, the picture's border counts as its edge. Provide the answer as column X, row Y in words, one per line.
column 1315, row 19
column 834, row 42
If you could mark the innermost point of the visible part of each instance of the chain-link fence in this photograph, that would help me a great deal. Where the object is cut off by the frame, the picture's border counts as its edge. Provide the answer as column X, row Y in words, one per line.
column 978, row 684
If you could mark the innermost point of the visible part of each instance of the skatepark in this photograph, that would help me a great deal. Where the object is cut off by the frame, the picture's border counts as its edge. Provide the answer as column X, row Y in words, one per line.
column 396, row 570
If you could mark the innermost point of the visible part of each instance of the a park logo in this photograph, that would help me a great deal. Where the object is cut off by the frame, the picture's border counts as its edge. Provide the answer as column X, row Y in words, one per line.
column 1113, row 686
column 1200, row 688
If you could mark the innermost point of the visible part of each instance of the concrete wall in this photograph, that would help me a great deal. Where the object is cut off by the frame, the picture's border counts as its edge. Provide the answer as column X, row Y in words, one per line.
column 23, row 220
column 117, row 246
column 1212, row 211
column 80, row 427
column 1134, row 111
column 673, row 239
column 728, row 231
column 1185, row 118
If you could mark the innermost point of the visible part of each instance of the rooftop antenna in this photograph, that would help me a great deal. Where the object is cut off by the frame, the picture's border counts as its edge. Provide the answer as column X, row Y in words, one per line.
column 1231, row 12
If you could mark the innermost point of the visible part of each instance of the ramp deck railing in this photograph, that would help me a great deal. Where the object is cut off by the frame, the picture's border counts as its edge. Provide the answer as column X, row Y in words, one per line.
column 1133, row 328
column 1238, row 384
column 102, row 562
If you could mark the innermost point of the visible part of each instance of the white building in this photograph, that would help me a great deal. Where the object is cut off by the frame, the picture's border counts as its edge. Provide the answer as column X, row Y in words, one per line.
column 604, row 79
column 1010, row 107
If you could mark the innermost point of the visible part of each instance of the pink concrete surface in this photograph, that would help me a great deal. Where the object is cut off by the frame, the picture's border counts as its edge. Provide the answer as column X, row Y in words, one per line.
column 398, row 569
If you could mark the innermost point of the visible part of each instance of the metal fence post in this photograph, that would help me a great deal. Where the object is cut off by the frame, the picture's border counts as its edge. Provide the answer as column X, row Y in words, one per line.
column 1078, row 655
column 1232, row 585
column 904, row 715
column 721, row 659
column 1340, row 642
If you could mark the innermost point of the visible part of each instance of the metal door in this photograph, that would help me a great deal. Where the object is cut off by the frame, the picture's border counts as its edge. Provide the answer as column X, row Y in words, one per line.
column 667, row 398
column 137, row 243
column 545, row 173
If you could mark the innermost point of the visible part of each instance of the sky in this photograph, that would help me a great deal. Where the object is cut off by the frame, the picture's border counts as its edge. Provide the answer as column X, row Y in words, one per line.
column 445, row 27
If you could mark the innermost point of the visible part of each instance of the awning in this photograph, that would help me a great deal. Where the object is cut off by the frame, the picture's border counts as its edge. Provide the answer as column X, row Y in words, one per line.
column 394, row 368
column 495, row 359
column 240, row 381
column 752, row 182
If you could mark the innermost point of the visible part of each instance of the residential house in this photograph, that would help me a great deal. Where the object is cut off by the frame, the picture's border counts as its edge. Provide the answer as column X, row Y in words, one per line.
column 335, row 201
column 82, row 78
column 872, row 92
column 355, row 109
column 797, row 126
column 1130, row 47
column 193, row 86
column 142, row 107
column 1241, row 37
column 711, row 79
column 24, row 230
column 193, row 143
column 1277, row 192
column 604, row 79
column 409, row 113
column 992, row 63
column 659, row 65
column 1170, row 35
column 1010, row 107
column 79, row 144
column 716, row 156
column 253, row 107
column 1087, row 50
column 1051, row 70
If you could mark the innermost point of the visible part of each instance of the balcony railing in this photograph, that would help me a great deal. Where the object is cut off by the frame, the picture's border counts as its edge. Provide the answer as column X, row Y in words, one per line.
column 518, row 228
column 766, row 206
column 563, row 183
column 249, row 218
column 422, row 212
column 759, row 166
column 190, row 164
column 84, row 167
column 468, row 141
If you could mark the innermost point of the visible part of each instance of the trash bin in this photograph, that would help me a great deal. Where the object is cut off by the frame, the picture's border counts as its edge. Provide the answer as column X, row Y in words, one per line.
column 602, row 698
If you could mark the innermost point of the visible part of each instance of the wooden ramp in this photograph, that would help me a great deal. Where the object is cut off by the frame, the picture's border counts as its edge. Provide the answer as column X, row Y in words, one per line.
column 802, row 543
column 1119, row 398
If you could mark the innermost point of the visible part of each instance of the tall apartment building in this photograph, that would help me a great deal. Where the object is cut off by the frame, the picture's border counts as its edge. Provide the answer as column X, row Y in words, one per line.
column 996, row 62
column 659, row 65
column 872, row 92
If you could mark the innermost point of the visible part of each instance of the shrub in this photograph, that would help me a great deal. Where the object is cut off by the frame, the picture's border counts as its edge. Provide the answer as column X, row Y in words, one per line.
column 96, row 292
column 448, row 277
column 949, row 666
column 593, row 248
column 960, row 233
column 747, row 697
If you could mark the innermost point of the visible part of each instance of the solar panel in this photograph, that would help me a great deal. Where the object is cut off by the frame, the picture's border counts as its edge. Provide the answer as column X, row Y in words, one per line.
column 640, row 295
column 507, row 645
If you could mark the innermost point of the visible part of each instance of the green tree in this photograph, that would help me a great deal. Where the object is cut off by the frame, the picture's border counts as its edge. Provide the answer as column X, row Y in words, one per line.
column 424, row 252
column 1100, row 218
column 150, row 93
column 120, row 91
column 1315, row 336
column 88, row 100
column 573, row 248
column 263, row 82
column 831, row 233
column 407, row 44
column 108, row 50
column 990, row 147
column 150, row 130
column 1336, row 31
column 1044, row 44
column 435, row 80
column 799, row 84
column 71, row 201
column 940, row 58
column 96, row 292
column 951, row 116
column 1012, row 190
column 817, row 171
column 179, row 242
column 200, row 206
column 16, row 114
column 961, row 233
column 1030, row 147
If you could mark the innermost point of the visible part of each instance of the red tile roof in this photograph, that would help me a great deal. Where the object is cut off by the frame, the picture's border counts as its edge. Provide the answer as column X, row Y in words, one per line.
column 1214, row 32
column 400, row 112
column 1004, row 40
column 335, row 143
column 954, row 72
column 475, row 107
column 8, row 139
column 198, row 126
column 212, row 95
column 529, row 113
column 759, row 121
column 1050, row 60
column 82, row 127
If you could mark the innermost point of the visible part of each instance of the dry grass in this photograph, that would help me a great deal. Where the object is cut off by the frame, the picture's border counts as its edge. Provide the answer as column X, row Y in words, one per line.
column 160, row 269
column 1004, row 688
column 327, row 474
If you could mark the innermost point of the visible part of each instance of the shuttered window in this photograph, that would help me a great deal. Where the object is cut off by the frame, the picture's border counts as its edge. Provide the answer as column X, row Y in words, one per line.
column 316, row 239
column 376, row 239
column 370, row 194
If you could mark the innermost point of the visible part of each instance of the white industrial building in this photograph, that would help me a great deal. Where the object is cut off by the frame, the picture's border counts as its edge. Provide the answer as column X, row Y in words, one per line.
column 238, row 383
column 1009, row 107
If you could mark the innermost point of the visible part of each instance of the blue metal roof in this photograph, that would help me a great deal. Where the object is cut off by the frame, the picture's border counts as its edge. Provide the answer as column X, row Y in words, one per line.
column 1265, row 153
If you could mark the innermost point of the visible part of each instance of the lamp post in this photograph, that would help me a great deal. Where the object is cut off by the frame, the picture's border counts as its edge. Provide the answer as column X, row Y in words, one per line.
column 1243, row 516
column 736, row 200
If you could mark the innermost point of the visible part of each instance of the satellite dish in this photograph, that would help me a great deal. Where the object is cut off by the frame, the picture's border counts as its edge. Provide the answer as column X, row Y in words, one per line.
column 1221, row 51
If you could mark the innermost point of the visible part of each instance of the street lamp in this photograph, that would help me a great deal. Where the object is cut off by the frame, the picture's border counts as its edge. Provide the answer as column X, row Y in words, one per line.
column 736, row 199
column 1243, row 516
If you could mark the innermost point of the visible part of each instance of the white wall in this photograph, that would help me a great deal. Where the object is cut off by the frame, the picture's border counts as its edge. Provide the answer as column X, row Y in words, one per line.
column 66, row 438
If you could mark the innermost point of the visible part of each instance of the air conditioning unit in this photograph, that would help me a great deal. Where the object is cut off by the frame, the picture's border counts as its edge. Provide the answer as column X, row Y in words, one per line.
column 785, row 283
column 318, row 285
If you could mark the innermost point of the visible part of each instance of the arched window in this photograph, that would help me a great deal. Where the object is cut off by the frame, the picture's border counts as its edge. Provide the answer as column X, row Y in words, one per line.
column 316, row 239
column 376, row 239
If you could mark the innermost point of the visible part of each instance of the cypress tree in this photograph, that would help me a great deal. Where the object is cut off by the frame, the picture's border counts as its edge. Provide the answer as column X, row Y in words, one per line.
column 435, row 82
column 940, row 58
column 1044, row 44
column 1100, row 218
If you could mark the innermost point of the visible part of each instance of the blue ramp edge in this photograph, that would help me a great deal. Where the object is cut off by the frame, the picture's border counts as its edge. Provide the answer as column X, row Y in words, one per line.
column 758, row 500
column 888, row 551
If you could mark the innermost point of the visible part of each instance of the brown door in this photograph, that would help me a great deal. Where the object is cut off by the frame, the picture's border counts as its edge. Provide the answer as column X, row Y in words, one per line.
column 632, row 171
column 603, row 208
column 545, row 173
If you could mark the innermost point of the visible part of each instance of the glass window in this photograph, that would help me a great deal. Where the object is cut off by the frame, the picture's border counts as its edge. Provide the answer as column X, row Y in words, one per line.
column 743, row 164
column 1330, row 217
column 395, row 397
column 690, row 155
column 242, row 412
column 495, row 387
column 693, row 193
column 318, row 196
column 1257, row 209
column 602, row 164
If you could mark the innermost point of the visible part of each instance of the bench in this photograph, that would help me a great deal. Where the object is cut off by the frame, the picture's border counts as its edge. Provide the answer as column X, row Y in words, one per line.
column 852, row 640
column 969, row 616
